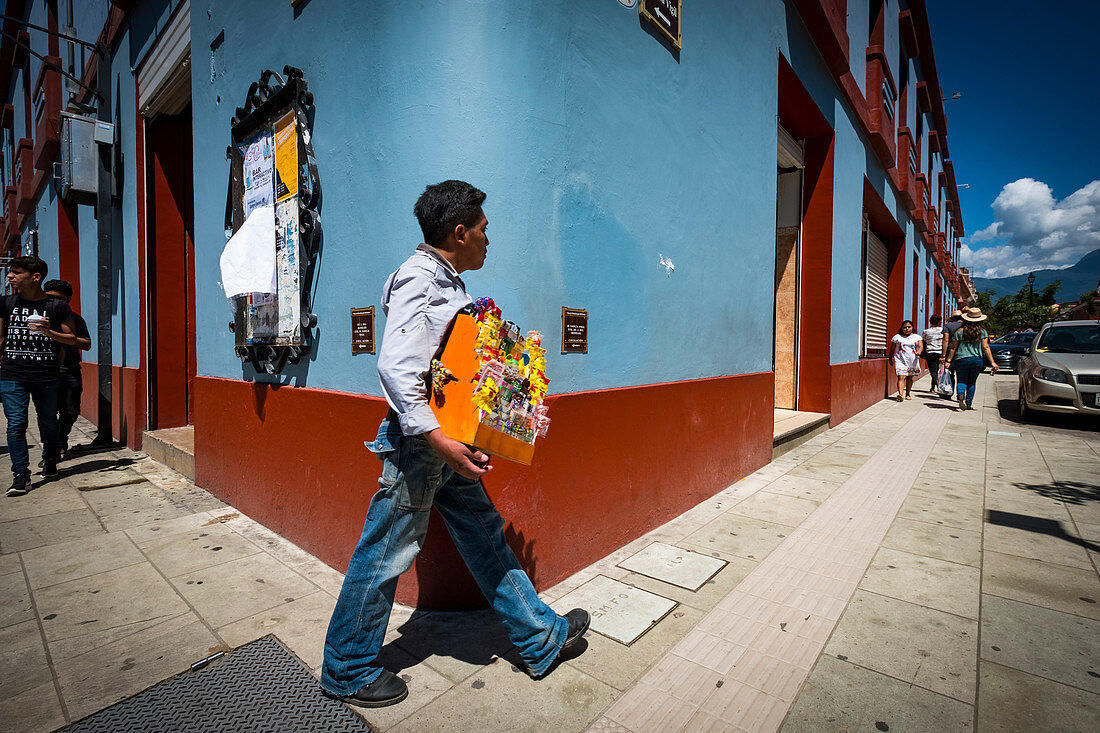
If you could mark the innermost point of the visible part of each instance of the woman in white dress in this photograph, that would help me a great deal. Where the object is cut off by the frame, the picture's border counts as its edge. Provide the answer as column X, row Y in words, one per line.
column 905, row 349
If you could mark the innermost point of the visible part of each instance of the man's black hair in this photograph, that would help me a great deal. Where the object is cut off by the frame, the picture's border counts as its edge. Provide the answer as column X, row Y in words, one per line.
column 935, row 320
column 444, row 206
column 58, row 286
column 29, row 263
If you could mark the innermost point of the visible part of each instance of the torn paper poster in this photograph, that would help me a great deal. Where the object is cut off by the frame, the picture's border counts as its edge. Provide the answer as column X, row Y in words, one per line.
column 248, row 260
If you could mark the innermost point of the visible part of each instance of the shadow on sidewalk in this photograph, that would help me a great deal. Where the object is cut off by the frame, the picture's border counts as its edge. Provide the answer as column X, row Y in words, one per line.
column 1040, row 525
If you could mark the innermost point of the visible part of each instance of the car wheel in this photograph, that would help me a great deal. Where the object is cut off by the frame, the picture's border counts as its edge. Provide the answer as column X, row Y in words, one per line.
column 1026, row 413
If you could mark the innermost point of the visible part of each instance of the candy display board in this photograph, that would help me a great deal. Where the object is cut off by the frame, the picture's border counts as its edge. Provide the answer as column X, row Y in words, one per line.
column 488, row 384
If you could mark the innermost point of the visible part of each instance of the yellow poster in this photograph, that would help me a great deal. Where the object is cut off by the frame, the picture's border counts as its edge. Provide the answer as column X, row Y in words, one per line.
column 286, row 157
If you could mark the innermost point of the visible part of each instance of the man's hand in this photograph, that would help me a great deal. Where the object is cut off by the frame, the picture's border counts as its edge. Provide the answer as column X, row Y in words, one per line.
column 462, row 458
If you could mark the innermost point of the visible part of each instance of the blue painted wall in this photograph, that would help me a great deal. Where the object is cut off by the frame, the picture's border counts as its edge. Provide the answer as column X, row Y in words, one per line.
column 599, row 151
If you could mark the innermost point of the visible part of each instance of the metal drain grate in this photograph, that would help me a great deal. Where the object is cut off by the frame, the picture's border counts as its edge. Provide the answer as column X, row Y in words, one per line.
column 257, row 687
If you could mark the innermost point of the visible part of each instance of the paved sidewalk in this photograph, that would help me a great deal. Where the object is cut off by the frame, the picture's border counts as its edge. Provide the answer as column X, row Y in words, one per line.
column 915, row 568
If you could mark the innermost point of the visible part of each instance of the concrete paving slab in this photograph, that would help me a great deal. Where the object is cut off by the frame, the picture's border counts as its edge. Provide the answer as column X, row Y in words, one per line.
column 15, row 600
column 933, row 540
column 300, row 625
column 619, row 665
column 674, row 565
column 707, row 596
column 1010, row 700
column 93, row 681
column 745, row 537
column 91, row 476
column 824, row 471
column 321, row 575
column 33, row 711
column 918, row 645
column 200, row 548
column 97, row 608
column 278, row 547
column 50, row 499
column 425, row 685
column 619, row 611
column 803, row 487
column 924, row 506
column 240, row 588
column 925, row 581
column 159, row 529
column 1037, row 539
column 23, row 663
column 840, row 696
column 10, row 564
column 1062, row 588
column 790, row 511
column 65, row 561
column 131, row 505
column 1051, row 644
column 454, row 643
column 26, row 534
column 499, row 697
column 1026, row 505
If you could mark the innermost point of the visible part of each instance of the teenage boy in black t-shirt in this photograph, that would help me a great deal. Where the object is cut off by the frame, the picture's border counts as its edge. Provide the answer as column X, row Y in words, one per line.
column 70, row 386
column 33, row 327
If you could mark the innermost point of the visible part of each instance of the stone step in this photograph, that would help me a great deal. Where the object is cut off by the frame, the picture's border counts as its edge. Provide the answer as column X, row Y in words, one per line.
column 174, row 447
column 792, row 429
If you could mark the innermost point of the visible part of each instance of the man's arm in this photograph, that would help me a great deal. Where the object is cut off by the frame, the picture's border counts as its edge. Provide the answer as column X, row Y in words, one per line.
column 403, row 366
column 3, row 333
column 66, row 335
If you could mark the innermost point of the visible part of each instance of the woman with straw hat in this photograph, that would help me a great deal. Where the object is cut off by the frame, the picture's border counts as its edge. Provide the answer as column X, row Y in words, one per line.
column 971, row 345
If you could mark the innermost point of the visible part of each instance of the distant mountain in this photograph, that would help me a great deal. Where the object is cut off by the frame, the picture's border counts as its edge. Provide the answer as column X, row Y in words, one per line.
column 1081, row 278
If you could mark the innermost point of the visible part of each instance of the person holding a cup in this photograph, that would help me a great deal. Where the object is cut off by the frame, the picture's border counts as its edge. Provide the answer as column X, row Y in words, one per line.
column 33, row 327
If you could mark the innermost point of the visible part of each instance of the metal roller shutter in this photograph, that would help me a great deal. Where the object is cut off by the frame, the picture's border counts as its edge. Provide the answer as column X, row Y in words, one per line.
column 874, row 306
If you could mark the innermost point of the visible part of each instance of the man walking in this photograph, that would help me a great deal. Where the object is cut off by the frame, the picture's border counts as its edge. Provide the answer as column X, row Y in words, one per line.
column 32, row 328
column 423, row 468
column 70, row 385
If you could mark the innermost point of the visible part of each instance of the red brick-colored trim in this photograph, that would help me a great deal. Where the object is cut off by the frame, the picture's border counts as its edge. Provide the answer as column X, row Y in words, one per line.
column 856, row 386
column 616, row 464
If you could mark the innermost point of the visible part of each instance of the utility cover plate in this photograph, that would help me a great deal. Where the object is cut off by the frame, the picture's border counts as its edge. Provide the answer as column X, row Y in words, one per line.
column 257, row 687
column 673, row 565
column 619, row 611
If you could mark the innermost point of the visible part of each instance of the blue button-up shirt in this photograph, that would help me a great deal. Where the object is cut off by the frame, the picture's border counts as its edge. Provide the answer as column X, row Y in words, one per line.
column 419, row 301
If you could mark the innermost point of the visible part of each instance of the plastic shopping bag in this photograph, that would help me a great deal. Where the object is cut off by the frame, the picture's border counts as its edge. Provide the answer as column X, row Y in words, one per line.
column 946, row 384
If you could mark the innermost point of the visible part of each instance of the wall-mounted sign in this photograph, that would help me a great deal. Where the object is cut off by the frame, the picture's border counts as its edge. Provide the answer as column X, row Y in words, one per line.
column 574, row 331
column 665, row 15
column 362, row 330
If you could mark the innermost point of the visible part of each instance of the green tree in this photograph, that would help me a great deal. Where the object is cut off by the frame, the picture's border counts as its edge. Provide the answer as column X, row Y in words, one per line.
column 1014, row 311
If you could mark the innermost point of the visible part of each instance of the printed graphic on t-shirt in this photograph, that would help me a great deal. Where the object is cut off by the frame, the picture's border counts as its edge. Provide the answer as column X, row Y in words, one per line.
column 22, row 346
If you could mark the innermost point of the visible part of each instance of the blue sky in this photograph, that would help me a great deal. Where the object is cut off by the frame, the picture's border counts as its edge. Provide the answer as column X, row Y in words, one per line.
column 1022, row 135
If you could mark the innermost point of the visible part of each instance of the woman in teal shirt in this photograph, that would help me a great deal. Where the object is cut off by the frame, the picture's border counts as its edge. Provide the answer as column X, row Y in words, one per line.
column 969, row 344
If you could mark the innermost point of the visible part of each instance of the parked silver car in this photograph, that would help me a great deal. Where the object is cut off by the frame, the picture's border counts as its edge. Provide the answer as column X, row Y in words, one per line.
column 1061, row 370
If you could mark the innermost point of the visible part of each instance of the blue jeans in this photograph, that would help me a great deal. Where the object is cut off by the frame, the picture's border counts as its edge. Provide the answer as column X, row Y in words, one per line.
column 967, row 370
column 414, row 479
column 16, row 396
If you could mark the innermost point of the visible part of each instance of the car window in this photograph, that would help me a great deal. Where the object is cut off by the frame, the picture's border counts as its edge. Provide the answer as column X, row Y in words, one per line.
column 1022, row 339
column 1071, row 340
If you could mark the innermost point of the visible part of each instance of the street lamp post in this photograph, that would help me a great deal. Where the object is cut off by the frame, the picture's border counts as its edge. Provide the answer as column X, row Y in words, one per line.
column 1031, row 290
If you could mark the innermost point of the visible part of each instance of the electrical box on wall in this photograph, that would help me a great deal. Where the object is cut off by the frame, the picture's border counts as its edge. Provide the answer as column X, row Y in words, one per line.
column 78, row 169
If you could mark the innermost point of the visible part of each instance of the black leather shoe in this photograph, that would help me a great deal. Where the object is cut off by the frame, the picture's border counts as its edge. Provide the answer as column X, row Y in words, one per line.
column 49, row 467
column 578, row 620
column 388, row 689
column 19, row 486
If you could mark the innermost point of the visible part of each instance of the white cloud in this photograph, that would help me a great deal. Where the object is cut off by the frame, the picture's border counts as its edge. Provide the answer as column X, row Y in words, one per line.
column 1033, row 231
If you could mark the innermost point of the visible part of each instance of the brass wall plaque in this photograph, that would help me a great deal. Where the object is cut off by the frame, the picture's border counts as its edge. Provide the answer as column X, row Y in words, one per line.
column 574, row 331
column 665, row 16
column 362, row 330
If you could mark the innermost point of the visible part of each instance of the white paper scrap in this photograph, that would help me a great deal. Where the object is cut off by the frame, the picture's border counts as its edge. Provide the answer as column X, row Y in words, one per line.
column 248, row 260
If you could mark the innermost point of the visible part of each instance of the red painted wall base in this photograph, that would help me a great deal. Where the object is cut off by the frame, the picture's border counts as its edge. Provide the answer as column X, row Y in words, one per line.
column 127, row 401
column 616, row 464
column 857, row 385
